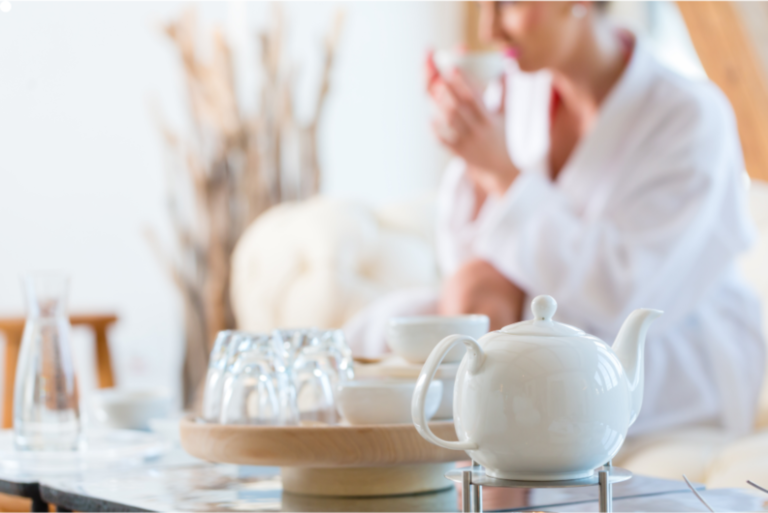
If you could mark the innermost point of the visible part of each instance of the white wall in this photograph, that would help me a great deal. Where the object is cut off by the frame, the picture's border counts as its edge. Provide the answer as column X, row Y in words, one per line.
column 81, row 161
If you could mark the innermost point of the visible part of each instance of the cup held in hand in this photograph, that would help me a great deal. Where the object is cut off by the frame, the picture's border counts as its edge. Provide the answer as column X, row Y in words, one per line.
column 480, row 68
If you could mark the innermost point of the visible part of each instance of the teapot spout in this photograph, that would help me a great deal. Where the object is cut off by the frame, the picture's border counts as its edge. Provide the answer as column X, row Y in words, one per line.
column 629, row 347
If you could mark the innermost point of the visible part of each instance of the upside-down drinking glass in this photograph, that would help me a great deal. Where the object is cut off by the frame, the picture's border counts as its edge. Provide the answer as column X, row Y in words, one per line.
column 253, row 397
column 331, row 342
column 282, row 378
column 214, row 379
column 315, row 377
column 258, row 388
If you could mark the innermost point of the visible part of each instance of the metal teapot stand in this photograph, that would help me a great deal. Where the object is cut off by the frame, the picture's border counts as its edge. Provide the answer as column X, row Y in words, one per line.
column 472, row 482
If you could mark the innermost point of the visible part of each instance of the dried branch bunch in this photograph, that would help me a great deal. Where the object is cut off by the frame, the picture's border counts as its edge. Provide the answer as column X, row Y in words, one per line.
column 231, row 166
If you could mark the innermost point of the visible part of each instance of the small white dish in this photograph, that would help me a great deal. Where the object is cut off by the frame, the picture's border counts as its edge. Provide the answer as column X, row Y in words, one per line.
column 445, row 409
column 479, row 67
column 130, row 409
column 395, row 367
column 414, row 337
column 383, row 401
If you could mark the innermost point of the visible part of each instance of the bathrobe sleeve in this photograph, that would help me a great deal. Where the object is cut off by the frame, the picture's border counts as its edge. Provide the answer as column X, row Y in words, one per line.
column 527, row 138
column 455, row 230
column 664, row 235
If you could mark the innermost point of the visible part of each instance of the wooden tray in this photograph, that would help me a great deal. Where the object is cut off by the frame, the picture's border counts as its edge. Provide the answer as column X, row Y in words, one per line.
column 316, row 446
column 332, row 460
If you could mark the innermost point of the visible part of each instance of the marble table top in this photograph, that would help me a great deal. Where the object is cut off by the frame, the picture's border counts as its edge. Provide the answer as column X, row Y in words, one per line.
column 174, row 481
column 109, row 450
column 720, row 499
column 198, row 486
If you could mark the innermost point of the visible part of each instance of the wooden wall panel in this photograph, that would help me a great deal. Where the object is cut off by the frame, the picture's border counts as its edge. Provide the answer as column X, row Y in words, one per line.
column 730, row 60
column 471, row 15
column 471, row 33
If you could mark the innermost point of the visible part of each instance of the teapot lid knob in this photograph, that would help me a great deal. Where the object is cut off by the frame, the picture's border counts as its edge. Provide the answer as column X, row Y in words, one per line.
column 543, row 307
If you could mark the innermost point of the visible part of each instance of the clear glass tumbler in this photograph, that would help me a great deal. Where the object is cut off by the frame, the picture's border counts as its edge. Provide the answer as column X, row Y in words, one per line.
column 315, row 377
column 46, row 413
column 257, row 389
column 334, row 343
column 214, row 379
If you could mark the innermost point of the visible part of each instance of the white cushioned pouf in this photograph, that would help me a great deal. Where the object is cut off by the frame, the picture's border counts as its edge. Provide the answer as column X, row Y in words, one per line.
column 755, row 268
column 670, row 455
column 317, row 262
column 744, row 459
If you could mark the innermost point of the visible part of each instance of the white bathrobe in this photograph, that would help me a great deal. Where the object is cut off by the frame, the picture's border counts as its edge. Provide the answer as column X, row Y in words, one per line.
column 649, row 211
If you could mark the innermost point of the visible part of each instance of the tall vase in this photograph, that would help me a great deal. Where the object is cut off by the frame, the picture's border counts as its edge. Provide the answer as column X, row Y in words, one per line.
column 46, row 414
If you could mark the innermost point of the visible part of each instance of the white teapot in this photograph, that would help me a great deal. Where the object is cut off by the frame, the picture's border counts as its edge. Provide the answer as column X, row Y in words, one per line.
column 539, row 400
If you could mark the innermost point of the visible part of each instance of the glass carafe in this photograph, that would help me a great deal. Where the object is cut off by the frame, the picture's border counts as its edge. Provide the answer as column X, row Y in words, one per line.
column 46, row 414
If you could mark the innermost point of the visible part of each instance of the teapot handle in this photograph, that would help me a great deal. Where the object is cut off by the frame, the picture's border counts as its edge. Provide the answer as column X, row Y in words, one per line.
column 476, row 359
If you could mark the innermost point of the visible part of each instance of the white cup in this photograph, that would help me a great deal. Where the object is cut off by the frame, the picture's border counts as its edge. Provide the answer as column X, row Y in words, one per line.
column 480, row 68
column 413, row 338
column 130, row 409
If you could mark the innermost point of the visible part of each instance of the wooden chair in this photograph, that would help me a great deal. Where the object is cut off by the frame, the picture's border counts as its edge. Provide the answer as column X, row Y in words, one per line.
column 13, row 328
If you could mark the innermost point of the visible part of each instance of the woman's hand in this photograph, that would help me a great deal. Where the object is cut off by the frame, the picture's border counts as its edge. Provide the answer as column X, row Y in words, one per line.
column 470, row 131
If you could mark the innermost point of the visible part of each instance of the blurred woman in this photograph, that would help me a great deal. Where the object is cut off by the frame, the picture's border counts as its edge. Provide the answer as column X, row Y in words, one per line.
column 609, row 182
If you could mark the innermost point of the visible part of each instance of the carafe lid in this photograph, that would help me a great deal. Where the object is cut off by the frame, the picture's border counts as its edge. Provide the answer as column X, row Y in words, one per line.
column 542, row 325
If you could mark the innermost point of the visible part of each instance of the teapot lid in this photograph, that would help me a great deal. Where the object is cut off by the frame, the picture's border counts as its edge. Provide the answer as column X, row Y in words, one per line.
column 542, row 325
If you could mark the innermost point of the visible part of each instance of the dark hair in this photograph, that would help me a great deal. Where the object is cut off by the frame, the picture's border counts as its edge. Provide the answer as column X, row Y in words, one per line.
column 601, row 5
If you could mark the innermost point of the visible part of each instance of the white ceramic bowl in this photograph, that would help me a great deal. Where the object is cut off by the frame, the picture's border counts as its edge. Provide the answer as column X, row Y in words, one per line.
column 383, row 401
column 445, row 410
column 479, row 67
column 413, row 338
column 130, row 409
